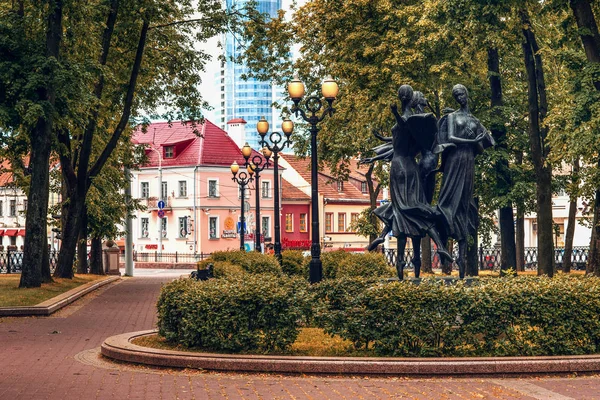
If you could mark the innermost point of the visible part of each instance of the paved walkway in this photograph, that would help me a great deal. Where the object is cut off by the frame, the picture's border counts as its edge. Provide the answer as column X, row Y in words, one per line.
column 57, row 358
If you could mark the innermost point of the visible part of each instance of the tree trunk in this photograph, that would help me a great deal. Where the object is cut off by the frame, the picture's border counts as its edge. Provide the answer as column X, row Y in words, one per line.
column 373, row 194
column 508, row 258
column 426, row 262
column 539, row 149
column 593, row 265
column 520, row 239
column 570, row 232
column 82, row 260
column 447, row 267
column 40, row 141
column 96, row 257
column 46, row 273
column 588, row 31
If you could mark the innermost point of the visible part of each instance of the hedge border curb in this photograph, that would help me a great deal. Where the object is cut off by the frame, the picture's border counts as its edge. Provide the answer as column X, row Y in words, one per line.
column 120, row 348
column 54, row 304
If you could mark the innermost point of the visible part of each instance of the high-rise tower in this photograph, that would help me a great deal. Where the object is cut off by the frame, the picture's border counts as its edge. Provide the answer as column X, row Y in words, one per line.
column 249, row 99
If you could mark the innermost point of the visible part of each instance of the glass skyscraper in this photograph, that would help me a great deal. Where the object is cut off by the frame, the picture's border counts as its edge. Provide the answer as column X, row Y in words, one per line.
column 248, row 99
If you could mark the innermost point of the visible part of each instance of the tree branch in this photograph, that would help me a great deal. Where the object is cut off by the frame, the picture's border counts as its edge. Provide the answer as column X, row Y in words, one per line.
column 112, row 143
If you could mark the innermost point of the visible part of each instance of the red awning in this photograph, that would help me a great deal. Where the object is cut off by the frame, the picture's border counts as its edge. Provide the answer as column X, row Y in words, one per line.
column 21, row 232
column 1, row 232
column 11, row 232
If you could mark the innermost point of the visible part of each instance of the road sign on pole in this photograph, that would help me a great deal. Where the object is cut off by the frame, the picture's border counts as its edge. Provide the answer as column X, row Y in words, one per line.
column 161, row 204
column 161, row 213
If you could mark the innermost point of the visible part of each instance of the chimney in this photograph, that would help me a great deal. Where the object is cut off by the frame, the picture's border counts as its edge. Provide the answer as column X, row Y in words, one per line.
column 236, row 131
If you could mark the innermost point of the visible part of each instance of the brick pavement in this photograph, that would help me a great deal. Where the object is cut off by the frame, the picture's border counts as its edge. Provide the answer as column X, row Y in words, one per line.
column 57, row 358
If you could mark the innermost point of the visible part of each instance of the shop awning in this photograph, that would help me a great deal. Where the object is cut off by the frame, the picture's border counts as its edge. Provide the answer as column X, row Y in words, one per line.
column 11, row 232
column 21, row 232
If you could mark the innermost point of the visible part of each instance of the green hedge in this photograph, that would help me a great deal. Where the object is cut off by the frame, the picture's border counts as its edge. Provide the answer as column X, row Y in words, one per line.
column 252, row 261
column 497, row 317
column 260, row 313
column 339, row 264
column 293, row 263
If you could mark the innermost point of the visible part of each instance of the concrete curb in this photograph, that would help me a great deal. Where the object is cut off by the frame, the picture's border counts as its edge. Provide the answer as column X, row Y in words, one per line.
column 54, row 304
column 120, row 348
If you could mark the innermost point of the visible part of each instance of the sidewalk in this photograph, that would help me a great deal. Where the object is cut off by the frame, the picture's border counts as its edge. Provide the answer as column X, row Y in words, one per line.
column 57, row 358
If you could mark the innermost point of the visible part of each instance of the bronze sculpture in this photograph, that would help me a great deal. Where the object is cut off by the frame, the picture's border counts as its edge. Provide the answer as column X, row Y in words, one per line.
column 409, row 214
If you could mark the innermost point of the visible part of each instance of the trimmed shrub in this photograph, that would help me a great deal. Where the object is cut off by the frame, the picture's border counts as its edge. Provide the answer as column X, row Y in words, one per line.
column 252, row 261
column 294, row 263
column 364, row 265
column 497, row 317
column 223, row 269
column 331, row 261
column 260, row 313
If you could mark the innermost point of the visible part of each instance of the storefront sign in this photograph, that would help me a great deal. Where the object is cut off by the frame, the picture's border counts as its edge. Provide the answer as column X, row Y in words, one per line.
column 229, row 234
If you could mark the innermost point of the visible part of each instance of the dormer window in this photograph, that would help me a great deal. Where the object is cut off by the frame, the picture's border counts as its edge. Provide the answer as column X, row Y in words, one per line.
column 340, row 186
column 363, row 187
column 169, row 152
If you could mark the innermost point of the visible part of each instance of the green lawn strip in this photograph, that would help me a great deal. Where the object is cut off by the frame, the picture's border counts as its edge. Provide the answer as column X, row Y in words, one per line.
column 13, row 296
column 310, row 342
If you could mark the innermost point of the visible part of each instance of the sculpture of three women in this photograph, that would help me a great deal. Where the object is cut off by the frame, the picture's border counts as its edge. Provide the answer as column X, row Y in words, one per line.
column 458, row 136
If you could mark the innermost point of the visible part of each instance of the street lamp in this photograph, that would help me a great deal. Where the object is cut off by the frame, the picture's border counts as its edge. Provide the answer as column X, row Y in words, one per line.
column 313, row 105
column 278, row 143
column 257, row 165
column 243, row 179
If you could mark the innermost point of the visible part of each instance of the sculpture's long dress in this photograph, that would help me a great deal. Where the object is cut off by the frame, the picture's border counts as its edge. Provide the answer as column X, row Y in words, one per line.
column 456, row 207
column 412, row 216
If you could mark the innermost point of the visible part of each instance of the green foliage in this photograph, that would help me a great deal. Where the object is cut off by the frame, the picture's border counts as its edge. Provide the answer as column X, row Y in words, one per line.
column 223, row 269
column 364, row 265
column 293, row 263
column 497, row 317
column 331, row 261
column 252, row 262
column 259, row 313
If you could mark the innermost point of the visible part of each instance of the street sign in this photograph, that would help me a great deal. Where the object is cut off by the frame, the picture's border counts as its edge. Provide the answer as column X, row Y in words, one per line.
column 239, row 224
column 161, row 213
column 161, row 204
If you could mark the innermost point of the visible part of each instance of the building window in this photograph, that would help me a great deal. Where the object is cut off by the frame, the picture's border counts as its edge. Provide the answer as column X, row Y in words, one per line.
column 265, row 226
column 13, row 208
column 182, row 188
column 302, row 222
column 340, row 186
column 353, row 221
column 246, row 192
column 164, row 192
column 163, row 224
column 13, row 240
column 341, row 222
column 1, row 208
column 289, row 222
column 169, row 152
column 145, row 222
column 363, row 187
column 266, row 189
column 145, row 190
column 328, row 222
column 183, row 227
column 213, row 224
column 213, row 188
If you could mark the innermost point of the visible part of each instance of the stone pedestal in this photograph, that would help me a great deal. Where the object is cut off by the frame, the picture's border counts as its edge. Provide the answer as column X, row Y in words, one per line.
column 111, row 261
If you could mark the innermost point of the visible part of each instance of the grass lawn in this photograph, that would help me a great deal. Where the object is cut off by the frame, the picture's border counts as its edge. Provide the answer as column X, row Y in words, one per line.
column 310, row 342
column 12, row 295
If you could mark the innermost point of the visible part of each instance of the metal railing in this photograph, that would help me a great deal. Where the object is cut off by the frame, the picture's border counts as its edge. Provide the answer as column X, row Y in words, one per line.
column 489, row 258
column 11, row 262
column 177, row 257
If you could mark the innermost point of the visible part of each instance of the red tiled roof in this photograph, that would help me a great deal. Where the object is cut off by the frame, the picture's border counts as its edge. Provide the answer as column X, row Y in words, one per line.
column 237, row 121
column 206, row 144
column 327, row 184
column 290, row 192
column 6, row 174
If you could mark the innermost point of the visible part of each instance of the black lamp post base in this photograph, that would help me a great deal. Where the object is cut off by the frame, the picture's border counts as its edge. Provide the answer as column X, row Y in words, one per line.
column 315, row 270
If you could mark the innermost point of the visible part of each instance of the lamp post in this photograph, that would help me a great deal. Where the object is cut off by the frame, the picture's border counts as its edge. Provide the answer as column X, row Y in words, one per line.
column 242, row 179
column 257, row 165
column 278, row 143
column 313, row 105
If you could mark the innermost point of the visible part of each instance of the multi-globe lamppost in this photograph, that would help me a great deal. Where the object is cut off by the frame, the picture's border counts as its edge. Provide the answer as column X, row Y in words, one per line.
column 243, row 179
column 257, row 165
column 313, row 105
column 278, row 143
